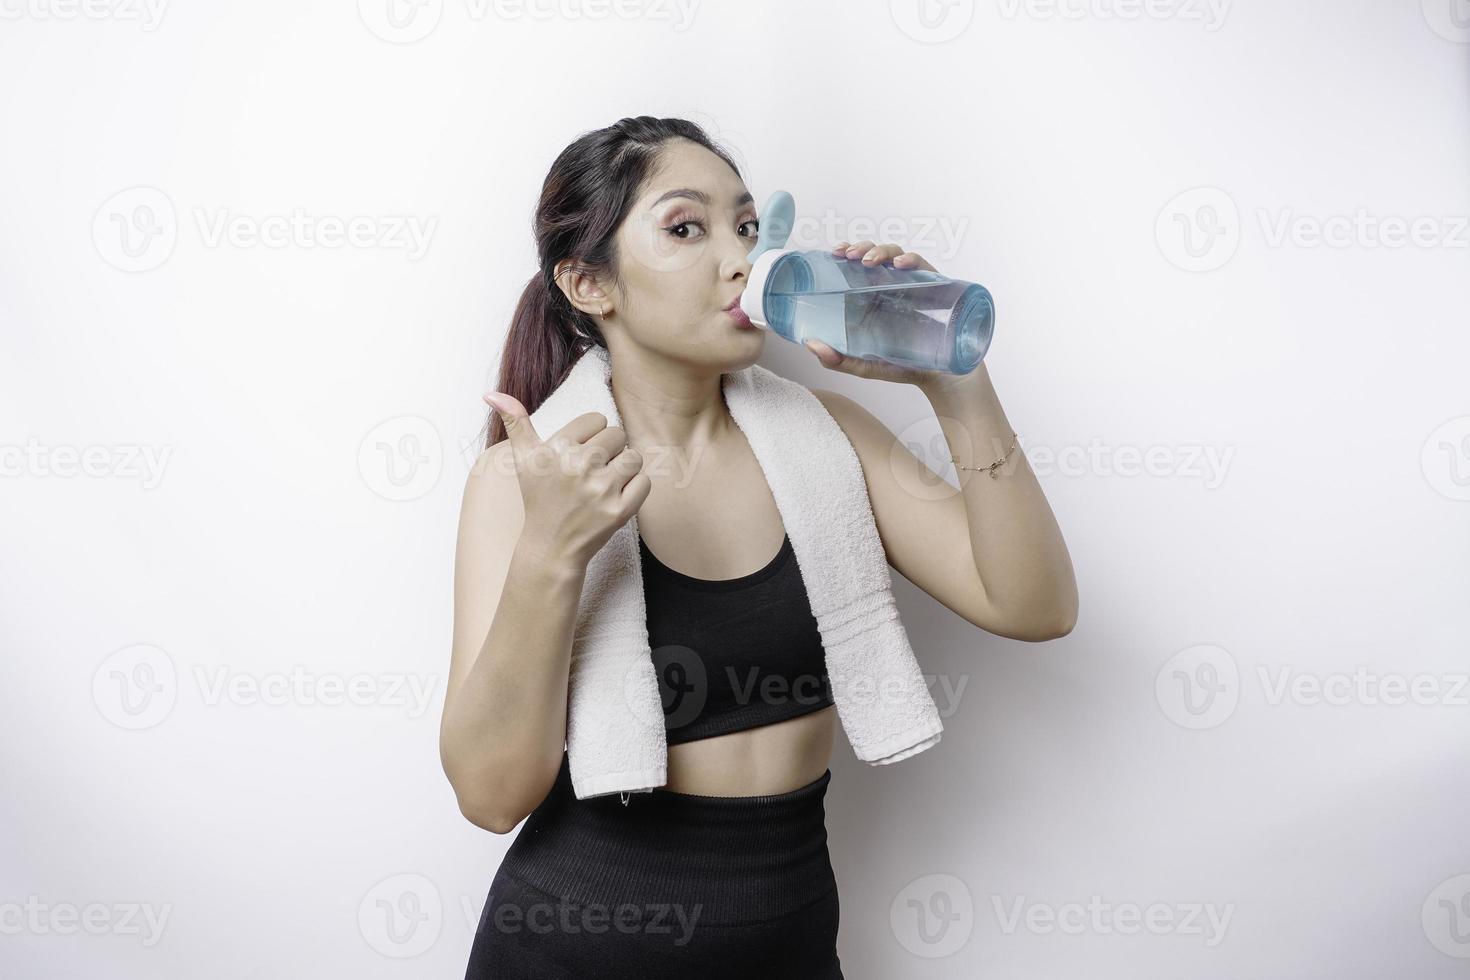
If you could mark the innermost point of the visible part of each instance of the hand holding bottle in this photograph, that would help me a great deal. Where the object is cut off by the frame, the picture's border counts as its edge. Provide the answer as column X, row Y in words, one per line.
column 870, row 311
column 871, row 367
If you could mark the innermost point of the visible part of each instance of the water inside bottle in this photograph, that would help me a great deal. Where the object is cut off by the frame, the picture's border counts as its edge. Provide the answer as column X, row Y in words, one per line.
column 911, row 316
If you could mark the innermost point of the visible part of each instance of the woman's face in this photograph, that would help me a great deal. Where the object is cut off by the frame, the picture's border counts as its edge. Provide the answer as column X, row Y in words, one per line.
column 682, row 259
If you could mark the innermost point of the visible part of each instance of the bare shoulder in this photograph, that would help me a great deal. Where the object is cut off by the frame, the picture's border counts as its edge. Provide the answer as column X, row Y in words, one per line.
column 492, row 476
column 863, row 429
column 832, row 402
column 490, row 519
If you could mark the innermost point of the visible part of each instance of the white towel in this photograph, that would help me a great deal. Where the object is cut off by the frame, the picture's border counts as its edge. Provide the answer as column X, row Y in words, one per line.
column 616, row 741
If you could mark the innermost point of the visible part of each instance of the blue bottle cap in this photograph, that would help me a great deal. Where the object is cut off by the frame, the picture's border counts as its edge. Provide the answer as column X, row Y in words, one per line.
column 776, row 219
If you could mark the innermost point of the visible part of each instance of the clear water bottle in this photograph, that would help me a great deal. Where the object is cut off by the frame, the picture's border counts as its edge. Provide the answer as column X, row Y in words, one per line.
column 911, row 317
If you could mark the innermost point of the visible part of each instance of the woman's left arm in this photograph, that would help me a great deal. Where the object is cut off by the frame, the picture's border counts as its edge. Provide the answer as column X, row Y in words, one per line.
column 992, row 551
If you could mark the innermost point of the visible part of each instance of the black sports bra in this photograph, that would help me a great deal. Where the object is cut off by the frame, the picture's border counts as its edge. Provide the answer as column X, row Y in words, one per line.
column 733, row 654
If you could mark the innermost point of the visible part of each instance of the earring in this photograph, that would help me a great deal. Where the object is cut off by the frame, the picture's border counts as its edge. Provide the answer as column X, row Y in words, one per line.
column 601, row 314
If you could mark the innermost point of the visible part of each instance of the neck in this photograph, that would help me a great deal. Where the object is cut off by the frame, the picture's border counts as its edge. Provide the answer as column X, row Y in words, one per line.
column 665, row 404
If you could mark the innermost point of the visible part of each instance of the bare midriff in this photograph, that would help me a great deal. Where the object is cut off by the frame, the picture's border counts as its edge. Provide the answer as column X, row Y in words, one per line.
column 760, row 761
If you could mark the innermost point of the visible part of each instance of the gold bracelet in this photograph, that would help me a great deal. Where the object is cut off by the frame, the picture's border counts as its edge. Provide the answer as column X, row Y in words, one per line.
column 993, row 466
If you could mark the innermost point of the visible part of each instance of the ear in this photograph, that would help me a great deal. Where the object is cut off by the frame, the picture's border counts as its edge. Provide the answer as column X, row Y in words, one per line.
column 581, row 288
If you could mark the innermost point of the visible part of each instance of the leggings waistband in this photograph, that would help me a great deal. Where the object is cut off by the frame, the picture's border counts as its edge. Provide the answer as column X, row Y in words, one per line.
column 741, row 859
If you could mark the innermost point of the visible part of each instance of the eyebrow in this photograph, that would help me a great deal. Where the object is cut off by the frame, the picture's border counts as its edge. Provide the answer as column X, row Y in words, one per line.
column 697, row 195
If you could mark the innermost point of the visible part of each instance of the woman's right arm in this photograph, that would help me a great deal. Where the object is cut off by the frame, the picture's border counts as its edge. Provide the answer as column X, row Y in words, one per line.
column 515, row 605
column 533, row 516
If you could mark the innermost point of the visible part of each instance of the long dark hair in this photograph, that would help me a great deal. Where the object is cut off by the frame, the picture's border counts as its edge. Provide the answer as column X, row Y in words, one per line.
column 586, row 195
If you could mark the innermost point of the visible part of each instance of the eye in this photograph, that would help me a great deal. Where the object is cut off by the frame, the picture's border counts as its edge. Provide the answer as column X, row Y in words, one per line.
column 681, row 224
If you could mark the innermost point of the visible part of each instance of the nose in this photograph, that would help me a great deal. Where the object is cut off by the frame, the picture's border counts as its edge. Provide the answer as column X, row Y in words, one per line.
column 735, row 264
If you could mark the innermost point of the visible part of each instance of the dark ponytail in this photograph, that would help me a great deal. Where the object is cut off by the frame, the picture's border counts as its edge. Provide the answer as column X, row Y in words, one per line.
column 585, row 197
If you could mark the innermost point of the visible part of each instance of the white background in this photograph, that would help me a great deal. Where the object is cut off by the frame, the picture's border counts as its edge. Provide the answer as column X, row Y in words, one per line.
column 312, row 413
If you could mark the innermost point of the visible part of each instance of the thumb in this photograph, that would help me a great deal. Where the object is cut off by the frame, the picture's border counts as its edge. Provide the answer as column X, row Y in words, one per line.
column 517, row 421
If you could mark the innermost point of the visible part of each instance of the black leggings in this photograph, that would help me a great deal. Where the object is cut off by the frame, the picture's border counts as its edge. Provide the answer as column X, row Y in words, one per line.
column 670, row 885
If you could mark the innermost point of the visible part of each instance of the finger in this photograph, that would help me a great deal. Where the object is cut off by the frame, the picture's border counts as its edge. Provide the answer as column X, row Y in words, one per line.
column 828, row 355
column 635, row 493
column 858, row 248
column 626, row 465
column 604, row 446
column 912, row 260
column 840, row 247
column 882, row 253
column 858, row 367
column 518, row 428
column 578, row 431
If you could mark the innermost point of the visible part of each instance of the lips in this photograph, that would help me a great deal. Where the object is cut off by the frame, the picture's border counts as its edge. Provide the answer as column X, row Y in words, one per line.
column 741, row 320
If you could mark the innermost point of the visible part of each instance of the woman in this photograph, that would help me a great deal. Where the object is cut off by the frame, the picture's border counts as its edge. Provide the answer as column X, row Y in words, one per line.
column 642, row 231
